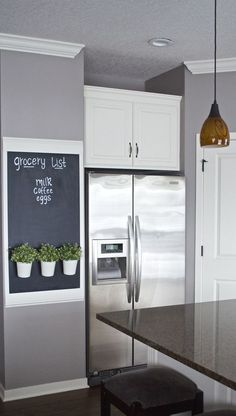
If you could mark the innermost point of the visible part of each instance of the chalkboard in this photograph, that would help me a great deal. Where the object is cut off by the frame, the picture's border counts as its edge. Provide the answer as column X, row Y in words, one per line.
column 43, row 207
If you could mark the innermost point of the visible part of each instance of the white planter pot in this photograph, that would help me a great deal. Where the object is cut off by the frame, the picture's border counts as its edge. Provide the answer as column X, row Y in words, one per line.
column 23, row 269
column 47, row 268
column 69, row 267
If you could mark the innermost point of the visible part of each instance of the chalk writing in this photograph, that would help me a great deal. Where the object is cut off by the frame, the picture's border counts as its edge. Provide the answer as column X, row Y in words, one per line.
column 35, row 162
column 43, row 190
column 29, row 162
column 58, row 163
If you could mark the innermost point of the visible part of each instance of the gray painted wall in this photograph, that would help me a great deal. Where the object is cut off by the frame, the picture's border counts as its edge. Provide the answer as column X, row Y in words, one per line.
column 2, row 372
column 42, row 96
column 44, row 344
column 171, row 82
column 198, row 97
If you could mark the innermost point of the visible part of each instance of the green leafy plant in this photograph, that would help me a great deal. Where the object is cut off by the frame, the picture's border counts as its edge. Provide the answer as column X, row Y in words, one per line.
column 47, row 252
column 70, row 251
column 24, row 254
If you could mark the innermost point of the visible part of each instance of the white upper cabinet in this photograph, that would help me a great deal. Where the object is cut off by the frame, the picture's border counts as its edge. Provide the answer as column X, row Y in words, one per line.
column 108, row 132
column 129, row 129
column 156, row 135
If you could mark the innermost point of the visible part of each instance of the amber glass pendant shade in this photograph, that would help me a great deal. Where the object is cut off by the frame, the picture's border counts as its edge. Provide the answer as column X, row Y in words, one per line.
column 214, row 132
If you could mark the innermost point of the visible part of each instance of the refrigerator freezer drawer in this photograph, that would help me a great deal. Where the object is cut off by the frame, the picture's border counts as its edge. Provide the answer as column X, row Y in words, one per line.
column 108, row 348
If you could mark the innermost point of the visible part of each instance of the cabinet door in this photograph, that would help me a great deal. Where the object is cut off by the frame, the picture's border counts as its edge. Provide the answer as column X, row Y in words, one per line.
column 108, row 133
column 156, row 135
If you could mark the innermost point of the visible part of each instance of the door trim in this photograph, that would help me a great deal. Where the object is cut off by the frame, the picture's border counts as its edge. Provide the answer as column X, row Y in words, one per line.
column 199, row 217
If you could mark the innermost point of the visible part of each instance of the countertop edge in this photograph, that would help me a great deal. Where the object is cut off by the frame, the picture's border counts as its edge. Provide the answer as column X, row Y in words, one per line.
column 163, row 350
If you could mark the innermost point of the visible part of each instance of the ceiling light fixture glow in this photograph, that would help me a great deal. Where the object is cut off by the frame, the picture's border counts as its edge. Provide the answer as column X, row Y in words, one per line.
column 160, row 42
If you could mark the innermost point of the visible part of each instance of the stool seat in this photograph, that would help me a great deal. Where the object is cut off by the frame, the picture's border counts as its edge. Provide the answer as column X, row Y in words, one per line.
column 154, row 386
column 145, row 391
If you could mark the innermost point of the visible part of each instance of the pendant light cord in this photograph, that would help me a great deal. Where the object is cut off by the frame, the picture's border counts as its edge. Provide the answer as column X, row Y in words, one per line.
column 215, row 59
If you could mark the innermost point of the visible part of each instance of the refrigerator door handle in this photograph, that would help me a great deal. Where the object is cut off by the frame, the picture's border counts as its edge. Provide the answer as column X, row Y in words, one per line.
column 138, row 258
column 130, row 260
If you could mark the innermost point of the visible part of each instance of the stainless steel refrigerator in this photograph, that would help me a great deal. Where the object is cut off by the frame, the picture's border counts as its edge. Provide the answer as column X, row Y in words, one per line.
column 136, row 237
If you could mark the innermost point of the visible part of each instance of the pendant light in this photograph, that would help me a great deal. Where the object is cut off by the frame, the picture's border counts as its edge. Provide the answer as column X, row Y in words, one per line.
column 214, row 132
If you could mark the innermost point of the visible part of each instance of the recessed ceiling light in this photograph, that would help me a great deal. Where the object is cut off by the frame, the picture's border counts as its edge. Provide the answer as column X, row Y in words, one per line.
column 160, row 42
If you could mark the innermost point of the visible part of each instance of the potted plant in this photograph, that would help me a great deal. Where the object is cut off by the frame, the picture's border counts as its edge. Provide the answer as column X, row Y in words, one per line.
column 24, row 255
column 48, row 255
column 70, row 253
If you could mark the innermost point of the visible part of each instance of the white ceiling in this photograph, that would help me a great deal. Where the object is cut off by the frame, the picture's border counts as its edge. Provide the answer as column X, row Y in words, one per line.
column 115, row 32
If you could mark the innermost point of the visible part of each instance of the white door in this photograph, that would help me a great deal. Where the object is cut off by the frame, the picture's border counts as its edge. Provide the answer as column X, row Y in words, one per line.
column 156, row 136
column 218, row 220
column 108, row 133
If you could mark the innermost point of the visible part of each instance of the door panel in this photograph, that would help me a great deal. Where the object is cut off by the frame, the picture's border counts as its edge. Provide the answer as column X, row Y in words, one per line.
column 110, row 203
column 108, row 132
column 156, row 135
column 219, row 237
column 160, row 206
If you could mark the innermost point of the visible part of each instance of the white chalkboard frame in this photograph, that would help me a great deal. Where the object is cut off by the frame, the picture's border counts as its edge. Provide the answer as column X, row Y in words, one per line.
column 15, row 144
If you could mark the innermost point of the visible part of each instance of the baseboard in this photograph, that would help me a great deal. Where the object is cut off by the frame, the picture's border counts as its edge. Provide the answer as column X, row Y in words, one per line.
column 1, row 392
column 42, row 389
column 152, row 356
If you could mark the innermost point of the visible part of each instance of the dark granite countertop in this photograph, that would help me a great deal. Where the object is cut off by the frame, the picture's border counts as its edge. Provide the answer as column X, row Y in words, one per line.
column 200, row 335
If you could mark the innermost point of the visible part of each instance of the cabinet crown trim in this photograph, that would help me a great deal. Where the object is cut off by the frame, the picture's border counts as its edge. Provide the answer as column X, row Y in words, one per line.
column 91, row 91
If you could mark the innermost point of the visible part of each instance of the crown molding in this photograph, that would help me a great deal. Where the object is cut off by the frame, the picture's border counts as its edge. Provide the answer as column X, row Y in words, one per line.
column 207, row 66
column 40, row 46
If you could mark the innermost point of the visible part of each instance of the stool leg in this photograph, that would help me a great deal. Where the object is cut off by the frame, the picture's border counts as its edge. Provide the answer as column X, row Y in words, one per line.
column 198, row 403
column 105, row 403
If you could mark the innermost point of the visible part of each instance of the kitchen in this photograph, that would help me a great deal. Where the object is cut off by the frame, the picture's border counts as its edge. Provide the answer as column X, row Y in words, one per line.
column 42, row 97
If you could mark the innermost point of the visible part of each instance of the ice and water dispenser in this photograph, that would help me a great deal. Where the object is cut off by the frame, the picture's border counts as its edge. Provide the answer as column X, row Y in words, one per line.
column 110, row 261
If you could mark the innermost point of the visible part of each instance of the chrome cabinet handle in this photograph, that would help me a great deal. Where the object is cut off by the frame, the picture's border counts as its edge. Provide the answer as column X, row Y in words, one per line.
column 137, row 150
column 130, row 149
column 130, row 276
column 138, row 259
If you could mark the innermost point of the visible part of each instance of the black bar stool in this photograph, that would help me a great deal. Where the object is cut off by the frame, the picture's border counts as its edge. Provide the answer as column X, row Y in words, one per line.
column 220, row 412
column 156, row 390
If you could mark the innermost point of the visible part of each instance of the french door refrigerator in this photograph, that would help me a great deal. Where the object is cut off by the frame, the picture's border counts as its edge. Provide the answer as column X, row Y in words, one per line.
column 136, row 241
